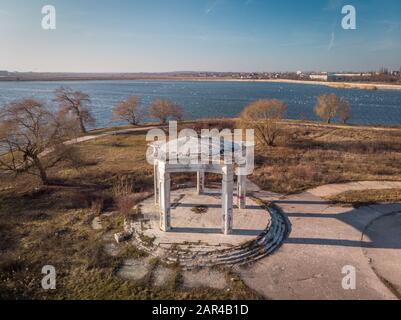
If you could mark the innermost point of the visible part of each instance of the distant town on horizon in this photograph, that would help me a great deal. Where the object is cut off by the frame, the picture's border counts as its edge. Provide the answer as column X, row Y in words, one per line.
column 383, row 75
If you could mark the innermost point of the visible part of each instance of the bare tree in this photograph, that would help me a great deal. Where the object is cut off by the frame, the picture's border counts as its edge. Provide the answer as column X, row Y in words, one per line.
column 263, row 116
column 327, row 106
column 76, row 103
column 344, row 111
column 31, row 138
column 163, row 110
column 128, row 110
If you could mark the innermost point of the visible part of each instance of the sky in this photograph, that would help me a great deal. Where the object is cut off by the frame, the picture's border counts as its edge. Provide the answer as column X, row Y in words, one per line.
column 199, row 35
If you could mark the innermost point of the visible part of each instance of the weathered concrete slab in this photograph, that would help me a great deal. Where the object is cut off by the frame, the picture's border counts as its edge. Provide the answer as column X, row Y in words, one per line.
column 96, row 223
column 161, row 276
column 133, row 269
column 204, row 278
column 112, row 249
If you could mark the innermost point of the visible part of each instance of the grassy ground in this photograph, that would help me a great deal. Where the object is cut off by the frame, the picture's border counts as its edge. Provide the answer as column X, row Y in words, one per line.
column 52, row 225
column 361, row 198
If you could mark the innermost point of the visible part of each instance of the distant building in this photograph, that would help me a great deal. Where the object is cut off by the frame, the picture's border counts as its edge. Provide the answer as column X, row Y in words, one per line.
column 320, row 77
column 338, row 76
column 3, row 73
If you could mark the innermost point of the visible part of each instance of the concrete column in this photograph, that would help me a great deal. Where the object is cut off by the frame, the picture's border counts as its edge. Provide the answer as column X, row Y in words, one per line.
column 156, row 182
column 227, row 199
column 241, row 192
column 165, row 209
column 200, row 182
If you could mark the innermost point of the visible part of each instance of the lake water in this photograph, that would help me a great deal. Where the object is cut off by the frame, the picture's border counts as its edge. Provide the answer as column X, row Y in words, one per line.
column 216, row 99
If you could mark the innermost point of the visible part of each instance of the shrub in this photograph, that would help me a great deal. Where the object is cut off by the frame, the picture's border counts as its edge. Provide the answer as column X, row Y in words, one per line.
column 97, row 205
column 128, row 110
column 263, row 116
column 124, row 196
column 163, row 110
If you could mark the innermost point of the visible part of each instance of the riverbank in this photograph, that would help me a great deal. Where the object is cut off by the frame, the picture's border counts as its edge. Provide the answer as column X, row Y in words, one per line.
column 338, row 85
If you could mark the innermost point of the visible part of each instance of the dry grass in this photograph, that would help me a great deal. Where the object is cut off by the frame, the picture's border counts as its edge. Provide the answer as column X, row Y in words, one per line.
column 311, row 156
column 366, row 197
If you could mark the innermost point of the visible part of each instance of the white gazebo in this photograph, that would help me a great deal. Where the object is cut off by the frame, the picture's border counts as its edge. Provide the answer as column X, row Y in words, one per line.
column 192, row 154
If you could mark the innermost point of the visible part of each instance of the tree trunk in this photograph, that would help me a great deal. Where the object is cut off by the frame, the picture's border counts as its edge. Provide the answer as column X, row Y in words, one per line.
column 81, row 124
column 81, row 120
column 42, row 171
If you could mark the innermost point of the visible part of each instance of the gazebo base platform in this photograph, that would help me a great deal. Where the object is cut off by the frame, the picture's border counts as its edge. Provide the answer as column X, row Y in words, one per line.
column 196, row 239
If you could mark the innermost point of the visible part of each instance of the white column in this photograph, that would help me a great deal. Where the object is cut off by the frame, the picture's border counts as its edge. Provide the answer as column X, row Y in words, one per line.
column 200, row 182
column 165, row 209
column 241, row 192
column 156, row 182
column 227, row 199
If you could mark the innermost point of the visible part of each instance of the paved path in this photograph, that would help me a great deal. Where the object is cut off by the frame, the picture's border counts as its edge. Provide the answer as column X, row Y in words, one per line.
column 384, row 254
column 109, row 133
column 333, row 189
column 339, row 126
column 90, row 137
column 322, row 241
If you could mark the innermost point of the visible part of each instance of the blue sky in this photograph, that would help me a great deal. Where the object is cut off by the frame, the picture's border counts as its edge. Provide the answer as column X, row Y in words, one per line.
column 220, row 35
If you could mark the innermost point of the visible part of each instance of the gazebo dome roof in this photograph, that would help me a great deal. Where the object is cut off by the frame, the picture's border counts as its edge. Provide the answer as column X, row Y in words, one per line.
column 184, row 144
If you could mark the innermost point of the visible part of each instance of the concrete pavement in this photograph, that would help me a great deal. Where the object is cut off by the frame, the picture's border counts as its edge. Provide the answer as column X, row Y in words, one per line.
column 322, row 241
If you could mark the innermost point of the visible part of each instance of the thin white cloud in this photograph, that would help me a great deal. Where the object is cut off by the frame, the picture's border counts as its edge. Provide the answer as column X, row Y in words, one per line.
column 210, row 8
column 332, row 41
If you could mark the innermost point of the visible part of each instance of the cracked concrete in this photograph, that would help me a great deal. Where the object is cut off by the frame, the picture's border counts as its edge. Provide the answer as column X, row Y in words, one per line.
column 384, row 253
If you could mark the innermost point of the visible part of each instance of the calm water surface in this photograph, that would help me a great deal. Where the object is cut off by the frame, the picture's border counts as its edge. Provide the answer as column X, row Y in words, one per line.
column 215, row 99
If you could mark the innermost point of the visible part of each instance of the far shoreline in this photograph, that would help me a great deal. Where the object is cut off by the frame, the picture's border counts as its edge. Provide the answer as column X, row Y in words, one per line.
column 337, row 85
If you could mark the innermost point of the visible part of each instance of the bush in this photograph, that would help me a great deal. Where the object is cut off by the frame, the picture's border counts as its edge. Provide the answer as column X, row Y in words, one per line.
column 124, row 196
column 263, row 116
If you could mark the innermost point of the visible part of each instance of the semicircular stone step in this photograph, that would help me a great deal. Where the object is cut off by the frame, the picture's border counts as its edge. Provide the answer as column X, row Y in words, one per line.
column 194, row 257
